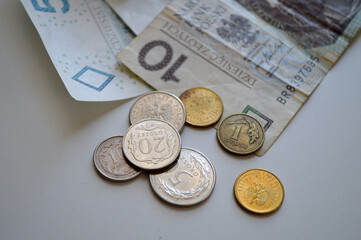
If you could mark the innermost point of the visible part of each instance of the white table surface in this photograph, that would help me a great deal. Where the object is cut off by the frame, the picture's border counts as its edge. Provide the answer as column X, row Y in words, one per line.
column 49, row 188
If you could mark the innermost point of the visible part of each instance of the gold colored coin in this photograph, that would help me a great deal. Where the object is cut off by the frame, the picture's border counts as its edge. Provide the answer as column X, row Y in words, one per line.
column 259, row 191
column 240, row 133
column 203, row 106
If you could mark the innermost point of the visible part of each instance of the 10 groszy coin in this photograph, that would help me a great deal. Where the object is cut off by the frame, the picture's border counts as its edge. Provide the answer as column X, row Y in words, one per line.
column 110, row 162
column 259, row 191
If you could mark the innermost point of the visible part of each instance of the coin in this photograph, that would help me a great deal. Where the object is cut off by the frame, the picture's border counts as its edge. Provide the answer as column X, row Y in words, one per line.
column 159, row 105
column 240, row 134
column 152, row 144
column 204, row 107
column 110, row 162
column 259, row 191
column 189, row 182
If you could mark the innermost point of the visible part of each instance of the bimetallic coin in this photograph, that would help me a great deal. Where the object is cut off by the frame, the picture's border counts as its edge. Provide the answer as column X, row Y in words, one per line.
column 240, row 134
column 189, row 182
column 204, row 107
column 259, row 191
column 152, row 144
column 110, row 162
column 159, row 105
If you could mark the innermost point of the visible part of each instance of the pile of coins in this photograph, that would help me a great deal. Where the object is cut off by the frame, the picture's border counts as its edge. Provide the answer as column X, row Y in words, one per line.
column 184, row 176
column 180, row 176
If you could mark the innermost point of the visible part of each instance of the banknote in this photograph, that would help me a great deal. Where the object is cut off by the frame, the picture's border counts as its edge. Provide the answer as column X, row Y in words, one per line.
column 255, row 67
column 137, row 14
column 82, row 38
column 313, row 23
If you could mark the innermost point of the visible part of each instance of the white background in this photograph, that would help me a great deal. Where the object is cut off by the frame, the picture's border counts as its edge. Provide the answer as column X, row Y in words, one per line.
column 49, row 188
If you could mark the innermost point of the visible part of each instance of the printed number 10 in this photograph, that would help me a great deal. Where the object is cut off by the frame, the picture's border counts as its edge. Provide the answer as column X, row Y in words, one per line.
column 169, row 74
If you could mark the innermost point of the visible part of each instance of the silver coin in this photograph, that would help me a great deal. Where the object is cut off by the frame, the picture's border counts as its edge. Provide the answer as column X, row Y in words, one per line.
column 189, row 182
column 152, row 144
column 110, row 162
column 159, row 105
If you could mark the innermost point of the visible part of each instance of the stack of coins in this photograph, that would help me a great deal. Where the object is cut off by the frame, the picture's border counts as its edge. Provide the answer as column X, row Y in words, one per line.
column 184, row 176
column 180, row 176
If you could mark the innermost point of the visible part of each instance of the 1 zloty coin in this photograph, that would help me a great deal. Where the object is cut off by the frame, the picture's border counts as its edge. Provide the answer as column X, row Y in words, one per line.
column 110, row 162
column 152, row 144
column 159, row 105
column 240, row 134
column 187, row 183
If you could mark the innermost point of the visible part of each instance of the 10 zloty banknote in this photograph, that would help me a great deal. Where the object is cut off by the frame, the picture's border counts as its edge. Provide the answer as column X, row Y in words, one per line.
column 260, row 65
column 82, row 38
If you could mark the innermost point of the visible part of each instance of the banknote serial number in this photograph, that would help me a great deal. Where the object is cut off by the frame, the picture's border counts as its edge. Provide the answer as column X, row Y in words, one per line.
column 286, row 94
column 304, row 71
column 298, row 79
